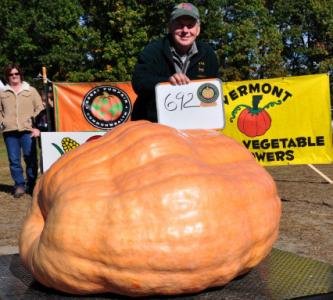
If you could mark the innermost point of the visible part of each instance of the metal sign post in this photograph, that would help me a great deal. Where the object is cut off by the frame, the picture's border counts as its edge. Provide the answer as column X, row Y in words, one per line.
column 46, row 91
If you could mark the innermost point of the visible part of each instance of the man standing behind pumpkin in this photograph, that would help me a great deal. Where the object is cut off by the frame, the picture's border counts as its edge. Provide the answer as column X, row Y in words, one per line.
column 177, row 58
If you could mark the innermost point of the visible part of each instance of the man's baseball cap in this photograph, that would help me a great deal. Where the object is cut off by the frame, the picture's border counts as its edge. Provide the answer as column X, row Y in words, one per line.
column 184, row 9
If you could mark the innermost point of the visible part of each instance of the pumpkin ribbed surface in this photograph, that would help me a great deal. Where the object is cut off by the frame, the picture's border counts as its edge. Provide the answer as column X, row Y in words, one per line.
column 148, row 209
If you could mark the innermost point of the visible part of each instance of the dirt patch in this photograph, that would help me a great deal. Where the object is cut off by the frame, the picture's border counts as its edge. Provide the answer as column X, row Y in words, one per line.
column 12, row 213
column 306, row 225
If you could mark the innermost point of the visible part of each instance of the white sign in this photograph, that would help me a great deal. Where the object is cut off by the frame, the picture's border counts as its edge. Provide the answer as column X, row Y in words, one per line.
column 56, row 144
column 197, row 105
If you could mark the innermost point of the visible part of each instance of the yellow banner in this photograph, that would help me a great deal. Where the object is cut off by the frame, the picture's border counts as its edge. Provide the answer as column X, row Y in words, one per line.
column 92, row 106
column 282, row 120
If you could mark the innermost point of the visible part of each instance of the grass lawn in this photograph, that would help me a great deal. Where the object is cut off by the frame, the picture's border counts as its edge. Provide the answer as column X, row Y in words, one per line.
column 5, row 178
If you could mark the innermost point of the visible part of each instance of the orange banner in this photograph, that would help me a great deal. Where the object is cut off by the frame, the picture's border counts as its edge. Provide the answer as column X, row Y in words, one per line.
column 92, row 106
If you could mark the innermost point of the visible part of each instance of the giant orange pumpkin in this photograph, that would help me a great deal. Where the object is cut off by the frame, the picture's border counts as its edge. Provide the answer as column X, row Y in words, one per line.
column 147, row 209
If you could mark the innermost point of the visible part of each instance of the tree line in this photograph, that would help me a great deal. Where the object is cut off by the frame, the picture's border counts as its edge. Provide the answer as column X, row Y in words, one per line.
column 99, row 40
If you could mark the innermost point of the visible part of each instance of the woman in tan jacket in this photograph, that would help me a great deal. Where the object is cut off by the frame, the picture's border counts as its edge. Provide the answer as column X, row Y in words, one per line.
column 20, row 103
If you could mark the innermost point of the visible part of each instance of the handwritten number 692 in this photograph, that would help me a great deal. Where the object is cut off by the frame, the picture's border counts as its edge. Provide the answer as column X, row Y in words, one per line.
column 180, row 101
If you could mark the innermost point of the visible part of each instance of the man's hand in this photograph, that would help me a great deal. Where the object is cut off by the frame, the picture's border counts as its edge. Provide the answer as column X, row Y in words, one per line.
column 179, row 78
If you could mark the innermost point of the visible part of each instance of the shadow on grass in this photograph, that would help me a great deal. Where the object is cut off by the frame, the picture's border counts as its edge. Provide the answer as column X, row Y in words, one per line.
column 6, row 188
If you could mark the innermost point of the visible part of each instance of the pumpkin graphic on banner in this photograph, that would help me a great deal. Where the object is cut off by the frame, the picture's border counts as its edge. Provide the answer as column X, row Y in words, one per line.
column 253, row 121
column 107, row 107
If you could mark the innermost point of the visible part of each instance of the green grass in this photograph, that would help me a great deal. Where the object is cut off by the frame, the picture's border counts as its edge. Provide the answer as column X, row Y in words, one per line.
column 4, row 167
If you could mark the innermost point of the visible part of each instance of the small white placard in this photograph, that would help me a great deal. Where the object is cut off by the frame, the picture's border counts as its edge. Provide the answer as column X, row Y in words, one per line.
column 197, row 105
column 55, row 144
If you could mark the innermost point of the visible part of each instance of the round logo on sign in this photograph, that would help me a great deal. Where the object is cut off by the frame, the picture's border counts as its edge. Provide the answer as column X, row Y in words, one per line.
column 106, row 107
column 208, row 93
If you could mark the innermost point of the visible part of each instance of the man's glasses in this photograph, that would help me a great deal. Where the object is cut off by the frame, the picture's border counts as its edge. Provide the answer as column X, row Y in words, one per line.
column 14, row 74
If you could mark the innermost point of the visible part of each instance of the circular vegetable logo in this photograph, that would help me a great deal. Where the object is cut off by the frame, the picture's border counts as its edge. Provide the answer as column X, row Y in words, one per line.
column 106, row 107
column 208, row 93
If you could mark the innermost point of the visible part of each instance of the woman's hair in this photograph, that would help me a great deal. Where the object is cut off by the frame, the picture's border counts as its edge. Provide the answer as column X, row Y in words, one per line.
column 9, row 68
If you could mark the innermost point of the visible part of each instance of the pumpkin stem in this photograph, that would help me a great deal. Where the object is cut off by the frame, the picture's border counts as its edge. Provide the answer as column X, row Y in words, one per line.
column 255, row 102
